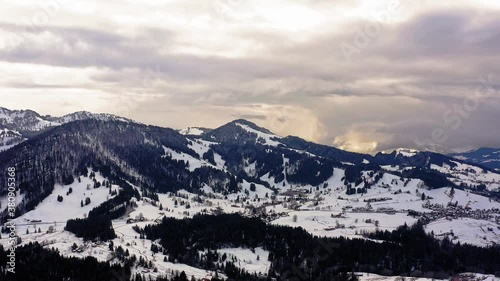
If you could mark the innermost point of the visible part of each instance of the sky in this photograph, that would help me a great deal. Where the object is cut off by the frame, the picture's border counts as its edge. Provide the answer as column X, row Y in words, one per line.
column 364, row 76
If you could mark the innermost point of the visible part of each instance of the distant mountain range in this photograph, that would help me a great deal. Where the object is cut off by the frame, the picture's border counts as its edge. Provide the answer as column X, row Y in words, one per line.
column 488, row 157
column 19, row 125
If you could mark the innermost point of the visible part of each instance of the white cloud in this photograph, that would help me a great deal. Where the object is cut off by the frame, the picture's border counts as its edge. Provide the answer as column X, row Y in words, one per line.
column 184, row 63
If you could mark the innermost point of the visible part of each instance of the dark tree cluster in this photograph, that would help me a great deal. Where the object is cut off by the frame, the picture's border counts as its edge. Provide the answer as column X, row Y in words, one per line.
column 34, row 263
column 91, row 229
column 408, row 251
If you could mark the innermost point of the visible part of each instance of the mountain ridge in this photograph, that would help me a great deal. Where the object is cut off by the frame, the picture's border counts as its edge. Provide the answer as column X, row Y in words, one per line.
column 228, row 159
column 107, row 179
column 486, row 156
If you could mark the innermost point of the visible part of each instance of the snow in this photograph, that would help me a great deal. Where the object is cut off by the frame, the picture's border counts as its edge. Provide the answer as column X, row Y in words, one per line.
column 250, row 169
column 390, row 168
column 194, row 163
column 4, row 147
column 465, row 230
column 321, row 223
column 9, row 139
column 4, row 200
column 406, row 152
column 462, row 276
column 375, row 277
column 470, row 175
column 255, row 261
column 127, row 239
column 191, row 131
column 268, row 139
column 315, row 218
column 42, row 124
column 50, row 210
column 201, row 147
column 491, row 160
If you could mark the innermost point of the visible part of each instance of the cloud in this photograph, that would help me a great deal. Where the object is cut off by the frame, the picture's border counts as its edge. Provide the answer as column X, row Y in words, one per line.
column 180, row 63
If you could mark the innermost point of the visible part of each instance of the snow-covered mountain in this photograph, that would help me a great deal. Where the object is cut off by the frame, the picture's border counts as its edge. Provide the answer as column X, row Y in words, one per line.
column 24, row 120
column 488, row 157
column 134, row 175
column 223, row 158
column 28, row 123
column 83, row 115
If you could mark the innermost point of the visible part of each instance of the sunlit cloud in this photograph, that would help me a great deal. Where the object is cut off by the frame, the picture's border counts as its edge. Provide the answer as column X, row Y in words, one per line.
column 278, row 63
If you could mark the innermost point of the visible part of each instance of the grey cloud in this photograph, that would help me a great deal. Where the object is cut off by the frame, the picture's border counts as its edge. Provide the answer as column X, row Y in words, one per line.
column 250, row 116
column 394, row 91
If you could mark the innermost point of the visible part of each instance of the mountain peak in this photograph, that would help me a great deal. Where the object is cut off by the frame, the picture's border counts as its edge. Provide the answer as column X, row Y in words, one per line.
column 241, row 130
column 251, row 125
column 81, row 115
column 28, row 123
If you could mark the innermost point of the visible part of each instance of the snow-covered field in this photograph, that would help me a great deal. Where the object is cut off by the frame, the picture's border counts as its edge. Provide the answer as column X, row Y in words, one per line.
column 251, row 260
column 351, row 225
column 465, row 230
column 50, row 210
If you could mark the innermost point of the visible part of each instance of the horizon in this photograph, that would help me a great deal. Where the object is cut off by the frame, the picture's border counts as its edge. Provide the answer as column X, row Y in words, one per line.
column 388, row 151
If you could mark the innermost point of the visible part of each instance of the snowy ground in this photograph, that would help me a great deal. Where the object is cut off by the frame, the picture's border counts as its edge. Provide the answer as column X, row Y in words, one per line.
column 255, row 261
column 351, row 225
column 471, row 175
column 50, row 210
column 463, row 276
column 475, row 232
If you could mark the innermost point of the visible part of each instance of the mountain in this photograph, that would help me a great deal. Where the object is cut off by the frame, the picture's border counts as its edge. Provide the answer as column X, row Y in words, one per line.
column 238, row 201
column 24, row 120
column 28, row 123
column 227, row 159
column 84, row 115
column 488, row 157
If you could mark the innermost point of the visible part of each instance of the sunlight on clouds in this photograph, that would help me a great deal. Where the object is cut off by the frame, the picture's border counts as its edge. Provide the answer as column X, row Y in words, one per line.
column 180, row 63
column 290, row 18
column 292, row 120
column 356, row 142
